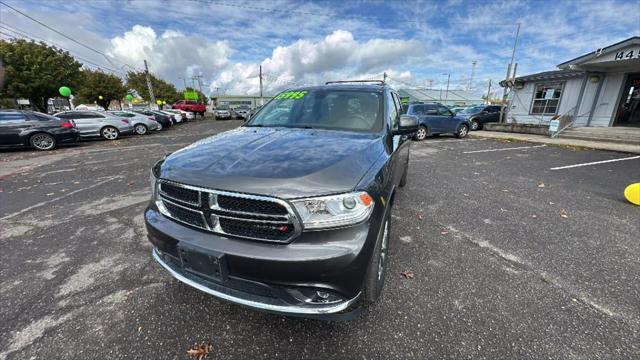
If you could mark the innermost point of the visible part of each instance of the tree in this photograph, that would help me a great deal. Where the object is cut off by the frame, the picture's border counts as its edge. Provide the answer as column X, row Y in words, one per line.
column 95, row 84
column 36, row 71
column 161, row 89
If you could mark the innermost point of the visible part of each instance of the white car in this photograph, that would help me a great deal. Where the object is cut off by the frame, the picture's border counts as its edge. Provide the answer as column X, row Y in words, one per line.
column 142, row 124
column 222, row 114
column 175, row 115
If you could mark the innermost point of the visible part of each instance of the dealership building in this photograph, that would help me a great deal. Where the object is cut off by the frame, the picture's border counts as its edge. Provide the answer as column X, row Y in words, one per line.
column 598, row 89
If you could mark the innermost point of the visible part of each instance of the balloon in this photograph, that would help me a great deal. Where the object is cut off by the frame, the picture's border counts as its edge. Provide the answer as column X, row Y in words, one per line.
column 100, row 97
column 64, row 91
column 632, row 193
column 159, row 102
column 129, row 97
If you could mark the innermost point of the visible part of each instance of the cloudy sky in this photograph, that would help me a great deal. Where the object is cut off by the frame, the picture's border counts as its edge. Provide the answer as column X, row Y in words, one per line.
column 309, row 42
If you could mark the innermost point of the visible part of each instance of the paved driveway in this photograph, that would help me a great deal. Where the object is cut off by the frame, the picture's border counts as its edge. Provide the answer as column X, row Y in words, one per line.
column 511, row 260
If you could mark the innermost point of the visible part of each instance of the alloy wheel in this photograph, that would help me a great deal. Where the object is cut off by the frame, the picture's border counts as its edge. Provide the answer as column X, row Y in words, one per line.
column 463, row 131
column 474, row 125
column 110, row 133
column 141, row 129
column 43, row 141
column 422, row 133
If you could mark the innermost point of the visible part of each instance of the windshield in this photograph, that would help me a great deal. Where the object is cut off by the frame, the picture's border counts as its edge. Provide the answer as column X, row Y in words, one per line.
column 323, row 109
column 472, row 109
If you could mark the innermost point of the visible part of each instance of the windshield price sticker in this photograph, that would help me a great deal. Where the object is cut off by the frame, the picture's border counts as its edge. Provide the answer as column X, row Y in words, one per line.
column 291, row 95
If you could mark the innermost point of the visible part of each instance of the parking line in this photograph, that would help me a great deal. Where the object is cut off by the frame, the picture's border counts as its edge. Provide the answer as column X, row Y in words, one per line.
column 594, row 163
column 504, row 149
column 58, row 198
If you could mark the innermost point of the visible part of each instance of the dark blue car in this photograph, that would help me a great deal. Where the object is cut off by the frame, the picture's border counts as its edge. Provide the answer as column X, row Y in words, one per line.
column 436, row 119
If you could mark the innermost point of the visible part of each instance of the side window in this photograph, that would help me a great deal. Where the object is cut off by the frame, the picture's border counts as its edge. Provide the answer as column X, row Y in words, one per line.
column 11, row 117
column 443, row 110
column 429, row 109
column 93, row 115
column 393, row 111
column 42, row 117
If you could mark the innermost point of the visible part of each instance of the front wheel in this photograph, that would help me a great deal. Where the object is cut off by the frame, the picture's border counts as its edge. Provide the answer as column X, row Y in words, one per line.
column 141, row 129
column 109, row 133
column 463, row 130
column 374, row 279
column 42, row 141
column 421, row 134
column 474, row 125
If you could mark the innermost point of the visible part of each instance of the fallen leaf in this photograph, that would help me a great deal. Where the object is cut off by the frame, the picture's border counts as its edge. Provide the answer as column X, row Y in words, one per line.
column 551, row 203
column 503, row 210
column 444, row 232
column 505, row 190
column 541, row 185
column 563, row 213
column 420, row 216
column 199, row 351
column 130, row 183
column 139, row 328
column 408, row 274
column 534, row 216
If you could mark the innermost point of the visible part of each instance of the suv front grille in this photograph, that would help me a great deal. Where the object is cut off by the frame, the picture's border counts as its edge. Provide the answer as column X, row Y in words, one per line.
column 234, row 214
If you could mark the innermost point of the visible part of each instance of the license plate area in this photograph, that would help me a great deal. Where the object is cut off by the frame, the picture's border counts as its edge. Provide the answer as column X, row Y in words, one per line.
column 208, row 264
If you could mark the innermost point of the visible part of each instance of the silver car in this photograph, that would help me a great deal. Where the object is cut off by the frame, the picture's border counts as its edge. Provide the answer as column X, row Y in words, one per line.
column 142, row 124
column 98, row 123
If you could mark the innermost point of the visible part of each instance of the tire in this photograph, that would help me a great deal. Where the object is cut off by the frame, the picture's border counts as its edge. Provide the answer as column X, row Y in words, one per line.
column 109, row 133
column 374, row 278
column 474, row 125
column 463, row 131
column 141, row 129
column 422, row 132
column 42, row 142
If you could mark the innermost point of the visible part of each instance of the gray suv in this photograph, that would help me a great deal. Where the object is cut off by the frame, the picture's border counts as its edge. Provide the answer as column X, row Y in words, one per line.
column 96, row 123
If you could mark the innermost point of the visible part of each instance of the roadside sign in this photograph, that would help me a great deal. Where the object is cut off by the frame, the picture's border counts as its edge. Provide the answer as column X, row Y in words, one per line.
column 404, row 100
column 553, row 127
column 191, row 95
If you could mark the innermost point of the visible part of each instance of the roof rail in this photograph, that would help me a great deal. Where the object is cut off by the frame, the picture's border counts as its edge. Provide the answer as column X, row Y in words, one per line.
column 381, row 82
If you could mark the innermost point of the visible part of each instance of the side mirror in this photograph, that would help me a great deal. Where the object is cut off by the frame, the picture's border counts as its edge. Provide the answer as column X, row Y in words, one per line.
column 407, row 124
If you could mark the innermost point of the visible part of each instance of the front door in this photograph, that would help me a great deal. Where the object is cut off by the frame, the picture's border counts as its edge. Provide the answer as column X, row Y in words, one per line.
column 628, row 113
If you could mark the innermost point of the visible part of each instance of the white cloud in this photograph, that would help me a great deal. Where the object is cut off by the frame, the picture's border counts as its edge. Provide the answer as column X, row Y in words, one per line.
column 172, row 54
column 338, row 55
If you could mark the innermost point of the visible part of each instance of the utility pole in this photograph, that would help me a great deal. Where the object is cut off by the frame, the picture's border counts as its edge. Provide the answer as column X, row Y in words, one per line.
column 384, row 77
column 513, row 55
column 184, row 81
column 446, row 95
column 430, row 83
column 152, row 98
column 197, row 77
column 473, row 73
column 489, row 93
column 260, row 75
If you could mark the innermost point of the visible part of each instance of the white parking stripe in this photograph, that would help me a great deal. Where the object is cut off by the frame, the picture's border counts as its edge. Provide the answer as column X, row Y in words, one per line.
column 451, row 140
column 595, row 163
column 504, row 149
column 58, row 198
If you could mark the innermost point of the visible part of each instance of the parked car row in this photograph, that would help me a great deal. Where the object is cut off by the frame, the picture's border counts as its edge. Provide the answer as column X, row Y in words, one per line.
column 435, row 119
column 25, row 128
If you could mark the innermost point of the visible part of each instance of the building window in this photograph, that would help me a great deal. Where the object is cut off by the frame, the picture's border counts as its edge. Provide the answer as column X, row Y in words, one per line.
column 546, row 99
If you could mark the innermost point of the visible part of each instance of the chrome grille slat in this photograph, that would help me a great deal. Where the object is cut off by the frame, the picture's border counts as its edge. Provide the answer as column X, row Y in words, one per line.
column 280, row 224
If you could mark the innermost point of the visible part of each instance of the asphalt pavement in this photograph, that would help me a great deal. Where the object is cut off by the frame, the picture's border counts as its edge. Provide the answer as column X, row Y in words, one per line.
column 511, row 260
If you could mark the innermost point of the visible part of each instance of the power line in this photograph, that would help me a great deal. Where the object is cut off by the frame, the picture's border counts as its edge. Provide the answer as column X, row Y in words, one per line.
column 62, row 34
column 28, row 36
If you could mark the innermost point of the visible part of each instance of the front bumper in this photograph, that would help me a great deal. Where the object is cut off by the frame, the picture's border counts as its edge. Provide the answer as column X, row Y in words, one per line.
column 264, row 275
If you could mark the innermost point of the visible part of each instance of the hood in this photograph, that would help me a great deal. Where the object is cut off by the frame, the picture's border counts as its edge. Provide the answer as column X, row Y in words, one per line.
column 281, row 162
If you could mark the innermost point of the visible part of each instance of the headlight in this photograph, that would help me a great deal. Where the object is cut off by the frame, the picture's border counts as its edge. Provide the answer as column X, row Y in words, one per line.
column 334, row 211
column 154, row 176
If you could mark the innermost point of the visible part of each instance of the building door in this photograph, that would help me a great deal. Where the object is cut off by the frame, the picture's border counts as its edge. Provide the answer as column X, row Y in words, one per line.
column 628, row 113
